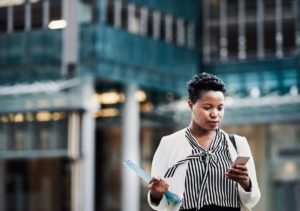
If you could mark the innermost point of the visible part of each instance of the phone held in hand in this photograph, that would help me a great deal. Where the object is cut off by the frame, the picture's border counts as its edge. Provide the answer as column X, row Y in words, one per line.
column 241, row 160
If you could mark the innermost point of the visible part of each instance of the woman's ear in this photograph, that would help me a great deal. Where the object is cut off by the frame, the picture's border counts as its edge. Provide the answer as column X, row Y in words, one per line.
column 190, row 104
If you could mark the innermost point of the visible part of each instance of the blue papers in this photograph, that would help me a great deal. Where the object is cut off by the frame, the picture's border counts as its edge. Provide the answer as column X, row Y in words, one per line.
column 172, row 197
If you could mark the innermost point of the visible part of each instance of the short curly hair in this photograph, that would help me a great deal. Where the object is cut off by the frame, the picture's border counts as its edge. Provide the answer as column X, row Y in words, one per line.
column 204, row 82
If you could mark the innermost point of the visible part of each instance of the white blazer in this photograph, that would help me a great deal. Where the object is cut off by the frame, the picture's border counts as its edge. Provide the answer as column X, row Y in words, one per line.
column 173, row 148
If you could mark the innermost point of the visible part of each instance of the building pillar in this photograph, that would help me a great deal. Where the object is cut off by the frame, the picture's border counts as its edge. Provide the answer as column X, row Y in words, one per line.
column 46, row 13
column 70, row 38
column 223, row 31
column 242, row 54
column 206, row 31
column 76, row 165
column 10, row 19
column 260, row 29
column 27, row 23
column 278, row 24
column 130, row 150
column 83, row 152
column 88, row 145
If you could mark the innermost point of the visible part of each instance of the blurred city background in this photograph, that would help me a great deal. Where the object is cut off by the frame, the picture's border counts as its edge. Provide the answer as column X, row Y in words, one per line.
column 87, row 84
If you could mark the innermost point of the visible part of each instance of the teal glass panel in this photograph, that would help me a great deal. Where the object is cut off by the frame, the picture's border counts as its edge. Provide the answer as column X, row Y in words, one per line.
column 116, row 54
column 31, row 47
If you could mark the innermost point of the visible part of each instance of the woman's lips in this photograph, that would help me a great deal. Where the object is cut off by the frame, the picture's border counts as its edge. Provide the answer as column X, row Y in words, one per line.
column 214, row 123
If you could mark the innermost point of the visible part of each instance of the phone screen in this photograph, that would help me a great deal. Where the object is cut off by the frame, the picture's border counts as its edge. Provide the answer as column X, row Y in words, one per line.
column 241, row 160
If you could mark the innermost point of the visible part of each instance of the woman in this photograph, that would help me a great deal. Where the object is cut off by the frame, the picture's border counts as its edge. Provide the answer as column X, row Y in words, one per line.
column 196, row 163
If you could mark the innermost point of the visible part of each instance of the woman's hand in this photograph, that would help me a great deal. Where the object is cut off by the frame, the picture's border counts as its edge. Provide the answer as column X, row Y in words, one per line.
column 239, row 173
column 158, row 188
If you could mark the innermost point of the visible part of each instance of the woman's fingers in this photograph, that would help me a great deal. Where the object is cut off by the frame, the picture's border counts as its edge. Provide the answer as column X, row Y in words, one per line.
column 158, row 185
column 239, row 173
column 239, row 170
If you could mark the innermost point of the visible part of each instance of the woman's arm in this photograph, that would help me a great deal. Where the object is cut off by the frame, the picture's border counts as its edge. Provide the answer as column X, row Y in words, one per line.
column 157, row 186
column 249, row 197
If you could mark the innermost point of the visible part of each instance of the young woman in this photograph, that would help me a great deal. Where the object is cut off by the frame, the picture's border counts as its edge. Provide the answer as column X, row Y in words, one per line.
column 196, row 163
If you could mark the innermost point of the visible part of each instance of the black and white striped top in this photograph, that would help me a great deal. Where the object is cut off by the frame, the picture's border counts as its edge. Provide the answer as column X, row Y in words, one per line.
column 205, row 182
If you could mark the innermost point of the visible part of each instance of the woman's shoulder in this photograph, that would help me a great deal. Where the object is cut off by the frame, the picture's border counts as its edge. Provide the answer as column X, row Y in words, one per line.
column 236, row 136
column 176, row 135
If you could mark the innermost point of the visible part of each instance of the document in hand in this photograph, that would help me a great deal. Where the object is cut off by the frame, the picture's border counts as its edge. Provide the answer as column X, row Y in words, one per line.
column 172, row 197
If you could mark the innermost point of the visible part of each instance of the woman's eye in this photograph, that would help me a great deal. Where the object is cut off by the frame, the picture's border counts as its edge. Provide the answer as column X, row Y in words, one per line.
column 220, row 108
column 206, row 108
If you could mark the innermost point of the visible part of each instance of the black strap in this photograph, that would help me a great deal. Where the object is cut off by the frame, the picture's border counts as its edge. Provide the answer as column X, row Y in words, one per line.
column 232, row 139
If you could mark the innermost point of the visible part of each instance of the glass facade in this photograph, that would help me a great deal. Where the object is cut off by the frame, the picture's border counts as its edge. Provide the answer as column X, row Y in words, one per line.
column 275, row 148
column 35, row 161
column 109, row 163
column 35, row 184
column 33, row 134
column 239, row 29
column 157, row 47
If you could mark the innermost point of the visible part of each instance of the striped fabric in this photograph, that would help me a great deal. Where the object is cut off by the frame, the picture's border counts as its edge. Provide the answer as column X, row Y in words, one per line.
column 205, row 181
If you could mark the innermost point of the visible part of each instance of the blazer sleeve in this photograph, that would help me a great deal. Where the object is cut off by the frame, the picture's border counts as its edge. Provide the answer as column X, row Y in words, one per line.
column 249, row 199
column 158, row 169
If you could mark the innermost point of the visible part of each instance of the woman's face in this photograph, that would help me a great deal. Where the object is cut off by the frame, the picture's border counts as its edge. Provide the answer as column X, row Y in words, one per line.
column 208, row 111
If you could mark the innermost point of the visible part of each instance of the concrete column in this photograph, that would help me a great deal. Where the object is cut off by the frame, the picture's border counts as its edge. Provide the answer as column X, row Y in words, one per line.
column 242, row 54
column 206, row 31
column 83, row 166
column 46, row 13
column 70, row 38
column 260, row 29
column 88, row 150
column 77, row 176
column 10, row 19
column 278, row 23
column 223, row 31
column 88, row 146
column 130, row 150
column 27, row 19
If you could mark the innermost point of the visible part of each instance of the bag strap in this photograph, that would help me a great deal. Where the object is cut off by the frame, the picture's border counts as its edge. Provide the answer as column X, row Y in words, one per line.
column 232, row 139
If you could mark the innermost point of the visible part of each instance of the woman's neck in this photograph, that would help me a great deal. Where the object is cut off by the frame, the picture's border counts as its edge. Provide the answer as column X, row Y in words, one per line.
column 200, row 132
column 203, row 137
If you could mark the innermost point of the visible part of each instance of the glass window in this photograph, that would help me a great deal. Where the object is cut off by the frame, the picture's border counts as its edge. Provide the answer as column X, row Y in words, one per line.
column 245, row 33
column 18, row 18
column 37, row 15
column 191, row 34
column 233, row 32
column 35, row 132
column 55, row 10
column 288, row 26
column 37, row 184
column 3, row 132
column 109, row 19
column 3, row 19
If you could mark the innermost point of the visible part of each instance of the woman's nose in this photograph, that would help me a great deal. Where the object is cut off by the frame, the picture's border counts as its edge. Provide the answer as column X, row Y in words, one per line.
column 213, row 114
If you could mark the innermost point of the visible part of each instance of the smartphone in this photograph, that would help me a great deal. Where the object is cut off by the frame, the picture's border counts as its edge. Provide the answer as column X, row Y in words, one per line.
column 241, row 160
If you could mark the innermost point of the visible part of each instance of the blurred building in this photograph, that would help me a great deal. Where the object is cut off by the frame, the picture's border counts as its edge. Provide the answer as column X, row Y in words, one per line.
column 87, row 84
